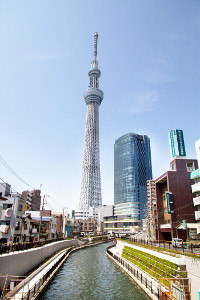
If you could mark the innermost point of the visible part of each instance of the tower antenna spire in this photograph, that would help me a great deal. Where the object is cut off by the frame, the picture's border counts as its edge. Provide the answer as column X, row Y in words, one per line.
column 90, row 195
column 95, row 45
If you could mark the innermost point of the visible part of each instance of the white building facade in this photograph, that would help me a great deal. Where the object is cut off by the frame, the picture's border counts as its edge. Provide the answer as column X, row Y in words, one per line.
column 11, row 215
column 195, row 175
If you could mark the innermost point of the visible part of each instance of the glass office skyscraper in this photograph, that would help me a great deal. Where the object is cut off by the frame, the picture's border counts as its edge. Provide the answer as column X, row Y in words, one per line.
column 132, row 169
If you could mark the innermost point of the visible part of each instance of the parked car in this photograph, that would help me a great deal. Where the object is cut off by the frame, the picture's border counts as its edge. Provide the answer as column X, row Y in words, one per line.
column 176, row 242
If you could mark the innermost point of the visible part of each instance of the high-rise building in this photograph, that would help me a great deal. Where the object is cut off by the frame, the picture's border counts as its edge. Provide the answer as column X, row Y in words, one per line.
column 90, row 195
column 151, row 205
column 33, row 199
column 132, row 169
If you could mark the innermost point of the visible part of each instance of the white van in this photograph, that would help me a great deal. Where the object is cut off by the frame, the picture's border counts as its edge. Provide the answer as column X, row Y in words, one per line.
column 176, row 242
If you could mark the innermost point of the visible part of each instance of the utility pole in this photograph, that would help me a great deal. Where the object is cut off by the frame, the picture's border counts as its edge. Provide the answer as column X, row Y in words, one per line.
column 63, row 223
column 41, row 214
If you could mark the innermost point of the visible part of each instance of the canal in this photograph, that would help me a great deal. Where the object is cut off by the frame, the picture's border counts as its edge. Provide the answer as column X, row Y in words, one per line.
column 90, row 274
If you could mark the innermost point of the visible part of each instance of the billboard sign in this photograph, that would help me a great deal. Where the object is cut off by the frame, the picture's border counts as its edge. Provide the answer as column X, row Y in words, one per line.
column 177, row 145
column 168, row 202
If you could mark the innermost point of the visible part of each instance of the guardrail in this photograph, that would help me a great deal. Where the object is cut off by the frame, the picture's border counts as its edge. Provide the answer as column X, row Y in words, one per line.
column 190, row 247
column 12, row 247
column 139, row 275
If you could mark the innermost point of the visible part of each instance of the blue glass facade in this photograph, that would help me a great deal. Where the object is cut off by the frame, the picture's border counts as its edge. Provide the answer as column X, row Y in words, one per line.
column 132, row 169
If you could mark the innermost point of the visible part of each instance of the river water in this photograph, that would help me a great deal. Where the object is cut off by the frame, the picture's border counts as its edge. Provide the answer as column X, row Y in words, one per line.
column 90, row 274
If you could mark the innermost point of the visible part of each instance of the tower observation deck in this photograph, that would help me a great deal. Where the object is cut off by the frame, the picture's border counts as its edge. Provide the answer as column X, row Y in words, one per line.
column 90, row 195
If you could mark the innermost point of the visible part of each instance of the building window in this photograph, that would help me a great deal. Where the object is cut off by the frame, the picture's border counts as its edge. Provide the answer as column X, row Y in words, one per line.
column 4, row 222
column 20, row 207
column 173, row 166
column 190, row 166
column 5, row 206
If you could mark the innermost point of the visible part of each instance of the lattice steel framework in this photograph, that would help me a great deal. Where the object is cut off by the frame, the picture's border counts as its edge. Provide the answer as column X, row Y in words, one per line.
column 90, row 195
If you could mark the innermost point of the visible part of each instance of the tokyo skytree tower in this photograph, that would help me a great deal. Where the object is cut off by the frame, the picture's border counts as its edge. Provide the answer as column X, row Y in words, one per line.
column 90, row 195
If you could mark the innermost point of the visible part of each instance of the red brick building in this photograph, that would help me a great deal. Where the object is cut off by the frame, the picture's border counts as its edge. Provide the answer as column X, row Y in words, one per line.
column 174, row 199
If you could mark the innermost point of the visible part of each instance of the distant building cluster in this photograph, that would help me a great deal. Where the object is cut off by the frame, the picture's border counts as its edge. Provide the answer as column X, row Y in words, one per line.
column 20, row 222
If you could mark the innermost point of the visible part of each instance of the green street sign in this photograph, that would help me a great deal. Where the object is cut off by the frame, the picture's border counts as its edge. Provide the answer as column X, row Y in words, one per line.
column 184, row 225
column 181, row 144
column 172, row 143
column 168, row 202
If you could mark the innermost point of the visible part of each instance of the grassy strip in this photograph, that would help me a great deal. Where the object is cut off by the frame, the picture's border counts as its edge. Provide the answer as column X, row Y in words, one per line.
column 161, row 266
column 152, row 269
column 152, row 259
column 142, row 266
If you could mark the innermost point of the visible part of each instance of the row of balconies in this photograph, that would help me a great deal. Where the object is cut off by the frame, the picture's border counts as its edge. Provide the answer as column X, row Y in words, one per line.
column 197, row 215
column 196, row 187
column 196, row 200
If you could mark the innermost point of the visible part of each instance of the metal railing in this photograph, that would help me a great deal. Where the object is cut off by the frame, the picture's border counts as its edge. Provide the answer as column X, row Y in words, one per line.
column 175, row 288
column 139, row 275
column 12, row 247
column 190, row 247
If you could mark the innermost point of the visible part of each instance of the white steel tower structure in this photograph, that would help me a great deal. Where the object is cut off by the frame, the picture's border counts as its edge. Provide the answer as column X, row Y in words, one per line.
column 90, row 195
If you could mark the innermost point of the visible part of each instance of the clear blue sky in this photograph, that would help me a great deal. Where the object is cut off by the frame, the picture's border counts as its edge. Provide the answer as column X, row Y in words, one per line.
column 149, row 57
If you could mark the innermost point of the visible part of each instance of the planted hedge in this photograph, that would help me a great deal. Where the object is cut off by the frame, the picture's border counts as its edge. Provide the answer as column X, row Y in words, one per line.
column 154, row 266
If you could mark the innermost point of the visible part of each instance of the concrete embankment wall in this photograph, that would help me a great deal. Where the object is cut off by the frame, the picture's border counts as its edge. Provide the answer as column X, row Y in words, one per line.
column 20, row 263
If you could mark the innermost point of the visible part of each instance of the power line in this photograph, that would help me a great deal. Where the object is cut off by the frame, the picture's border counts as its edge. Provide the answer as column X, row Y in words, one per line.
column 55, row 205
column 11, row 187
column 4, row 163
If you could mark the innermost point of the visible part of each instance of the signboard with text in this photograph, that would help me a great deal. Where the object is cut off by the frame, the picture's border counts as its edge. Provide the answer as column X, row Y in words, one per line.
column 168, row 202
column 184, row 225
column 177, row 145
